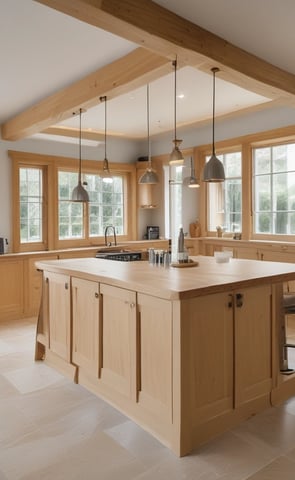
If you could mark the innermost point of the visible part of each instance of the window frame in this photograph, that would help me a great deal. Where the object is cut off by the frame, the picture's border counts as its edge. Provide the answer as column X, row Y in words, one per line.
column 51, row 166
column 274, row 142
column 222, row 148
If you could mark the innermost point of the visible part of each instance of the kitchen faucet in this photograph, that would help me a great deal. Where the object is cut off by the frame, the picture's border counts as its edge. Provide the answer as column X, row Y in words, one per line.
column 108, row 244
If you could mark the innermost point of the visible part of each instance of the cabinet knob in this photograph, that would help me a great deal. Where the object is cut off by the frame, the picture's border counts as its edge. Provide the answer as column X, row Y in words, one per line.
column 66, row 286
column 132, row 305
column 96, row 295
column 239, row 300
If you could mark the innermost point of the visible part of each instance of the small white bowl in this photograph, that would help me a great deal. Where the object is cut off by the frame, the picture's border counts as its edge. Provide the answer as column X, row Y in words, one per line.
column 222, row 257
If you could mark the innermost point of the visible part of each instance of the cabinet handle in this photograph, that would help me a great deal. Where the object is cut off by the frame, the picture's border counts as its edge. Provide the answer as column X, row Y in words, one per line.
column 230, row 301
column 66, row 286
column 239, row 300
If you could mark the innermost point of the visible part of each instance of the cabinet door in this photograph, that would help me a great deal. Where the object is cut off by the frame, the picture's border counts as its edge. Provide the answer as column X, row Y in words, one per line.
column 247, row 252
column 59, row 309
column 207, row 351
column 252, row 343
column 11, row 288
column 85, row 317
column 118, row 341
column 155, row 355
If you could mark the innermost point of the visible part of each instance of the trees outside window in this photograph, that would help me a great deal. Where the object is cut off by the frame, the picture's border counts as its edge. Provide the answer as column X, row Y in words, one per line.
column 274, row 189
column 46, row 218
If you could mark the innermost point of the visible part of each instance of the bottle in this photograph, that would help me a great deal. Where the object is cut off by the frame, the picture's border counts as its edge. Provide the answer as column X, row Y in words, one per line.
column 180, row 249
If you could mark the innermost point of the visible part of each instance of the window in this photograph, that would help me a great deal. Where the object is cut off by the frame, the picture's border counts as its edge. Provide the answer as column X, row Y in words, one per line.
column 225, row 198
column 31, row 204
column 45, row 217
column 106, row 206
column 274, row 189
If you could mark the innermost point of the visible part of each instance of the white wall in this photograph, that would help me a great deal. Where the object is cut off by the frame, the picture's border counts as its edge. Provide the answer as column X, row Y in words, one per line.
column 224, row 129
column 118, row 151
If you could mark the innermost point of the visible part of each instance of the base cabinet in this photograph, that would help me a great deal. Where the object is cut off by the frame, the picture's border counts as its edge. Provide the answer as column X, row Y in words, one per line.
column 227, row 351
column 59, row 314
column 253, row 327
column 186, row 369
column 85, row 328
column 155, row 356
column 118, row 340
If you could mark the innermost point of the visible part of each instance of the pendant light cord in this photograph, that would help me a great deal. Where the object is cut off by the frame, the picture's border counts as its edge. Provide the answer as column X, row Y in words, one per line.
column 214, row 70
column 148, row 124
column 105, row 127
column 80, row 145
column 175, row 91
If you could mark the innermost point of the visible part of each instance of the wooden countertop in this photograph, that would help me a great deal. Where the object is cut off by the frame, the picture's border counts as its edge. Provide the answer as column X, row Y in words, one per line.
column 175, row 283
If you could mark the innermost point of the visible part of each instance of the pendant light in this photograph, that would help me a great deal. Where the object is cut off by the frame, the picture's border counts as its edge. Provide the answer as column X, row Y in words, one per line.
column 149, row 177
column 176, row 157
column 106, row 176
column 79, row 193
column 191, row 181
column 213, row 170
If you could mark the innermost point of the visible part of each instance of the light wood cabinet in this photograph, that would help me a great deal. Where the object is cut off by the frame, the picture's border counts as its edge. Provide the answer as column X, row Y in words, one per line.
column 208, row 348
column 59, row 314
column 11, row 289
column 253, row 327
column 229, row 340
column 186, row 362
column 118, row 340
column 155, row 355
column 85, row 324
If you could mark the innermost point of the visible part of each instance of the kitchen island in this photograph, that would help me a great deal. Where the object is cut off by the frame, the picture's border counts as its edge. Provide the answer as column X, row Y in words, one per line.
column 185, row 352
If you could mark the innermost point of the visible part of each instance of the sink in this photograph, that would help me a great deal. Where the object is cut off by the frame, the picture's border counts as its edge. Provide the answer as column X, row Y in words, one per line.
column 112, row 248
column 120, row 255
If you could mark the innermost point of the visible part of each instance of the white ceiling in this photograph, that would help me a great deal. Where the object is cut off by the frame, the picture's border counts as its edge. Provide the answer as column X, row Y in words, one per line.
column 43, row 51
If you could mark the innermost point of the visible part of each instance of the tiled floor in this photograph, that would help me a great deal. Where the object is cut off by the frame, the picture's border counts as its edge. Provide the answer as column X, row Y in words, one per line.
column 52, row 429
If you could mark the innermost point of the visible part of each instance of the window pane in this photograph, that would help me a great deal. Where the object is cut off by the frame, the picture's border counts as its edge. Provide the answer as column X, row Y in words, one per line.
column 262, row 160
column 31, row 204
column 274, row 193
column 106, row 206
column 70, row 214
column 225, row 199
column 263, row 193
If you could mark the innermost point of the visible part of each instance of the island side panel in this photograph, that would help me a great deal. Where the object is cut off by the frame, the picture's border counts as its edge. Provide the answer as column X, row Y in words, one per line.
column 206, row 366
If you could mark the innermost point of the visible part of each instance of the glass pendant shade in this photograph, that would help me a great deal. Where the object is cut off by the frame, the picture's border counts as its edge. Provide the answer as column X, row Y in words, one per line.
column 149, row 177
column 106, row 174
column 191, row 181
column 176, row 156
column 213, row 170
column 79, row 194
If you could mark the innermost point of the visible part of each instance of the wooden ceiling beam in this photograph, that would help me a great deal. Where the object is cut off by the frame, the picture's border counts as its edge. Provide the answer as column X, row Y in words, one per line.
column 124, row 75
column 160, row 30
